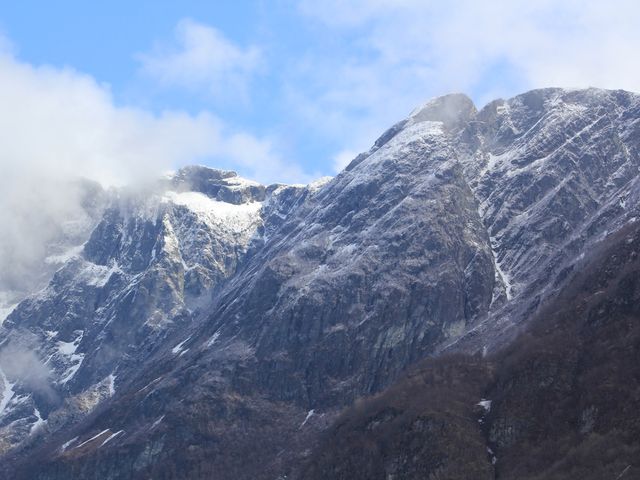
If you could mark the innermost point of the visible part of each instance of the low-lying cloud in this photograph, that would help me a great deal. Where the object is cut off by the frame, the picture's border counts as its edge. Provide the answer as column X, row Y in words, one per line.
column 20, row 364
column 201, row 57
column 58, row 124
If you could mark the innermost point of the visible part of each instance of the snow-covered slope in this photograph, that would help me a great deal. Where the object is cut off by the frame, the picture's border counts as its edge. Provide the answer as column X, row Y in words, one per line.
column 212, row 306
column 143, row 273
column 554, row 171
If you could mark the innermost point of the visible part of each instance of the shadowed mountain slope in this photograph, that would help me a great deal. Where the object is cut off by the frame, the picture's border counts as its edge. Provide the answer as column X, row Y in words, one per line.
column 560, row 402
column 215, row 327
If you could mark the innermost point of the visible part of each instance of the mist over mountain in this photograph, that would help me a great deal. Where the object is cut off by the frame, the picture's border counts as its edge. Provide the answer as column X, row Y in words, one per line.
column 459, row 302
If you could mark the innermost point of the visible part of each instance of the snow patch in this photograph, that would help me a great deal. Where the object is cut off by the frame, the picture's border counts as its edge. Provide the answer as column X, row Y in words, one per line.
column 68, row 351
column 111, row 437
column 494, row 162
column 96, row 275
column 66, row 445
column 227, row 223
column 486, row 404
column 418, row 131
column 157, row 422
column 76, row 359
column 508, row 286
column 171, row 244
column 213, row 339
column 92, row 438
column 8, row 302
column 39, row 421
column 501, row 275
column 238, row 183
column 310, row 414
column 69, row 348
column 178, row 348
column 51, row 334
column 111, row 384
column 216, row 213
column 7, row 392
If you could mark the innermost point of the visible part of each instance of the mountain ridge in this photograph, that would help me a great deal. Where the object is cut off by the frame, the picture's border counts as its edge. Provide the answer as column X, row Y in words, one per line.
column 446, row 236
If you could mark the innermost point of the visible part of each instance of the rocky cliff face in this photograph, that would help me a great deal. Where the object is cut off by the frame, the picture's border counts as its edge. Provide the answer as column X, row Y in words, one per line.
column 560, row 402
column 554, row 171
column 146, row 269
column 210, row 317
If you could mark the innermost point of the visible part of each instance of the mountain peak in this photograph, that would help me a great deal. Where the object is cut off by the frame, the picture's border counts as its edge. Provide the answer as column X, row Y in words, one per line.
column 224, row 185
column 247, row 316
column 202, row 171
column 452, row 110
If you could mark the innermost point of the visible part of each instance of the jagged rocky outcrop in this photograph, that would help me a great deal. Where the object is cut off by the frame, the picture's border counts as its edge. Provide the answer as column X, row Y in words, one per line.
column 208, row 316
column 560, row 402
column 147, row 267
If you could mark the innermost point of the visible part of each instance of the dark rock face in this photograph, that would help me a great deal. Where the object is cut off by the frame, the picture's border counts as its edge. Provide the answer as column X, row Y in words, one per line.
column 365, row 278
column 424, row 426
column 553, row 171
column 209, row 317
column 560, row 402
column 223, row 185
column 142, row 275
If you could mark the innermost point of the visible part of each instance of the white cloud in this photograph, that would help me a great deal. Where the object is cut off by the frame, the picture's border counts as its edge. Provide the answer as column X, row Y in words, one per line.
column 260, row 157
column 59, row 124
column 342, row 159
column 6, row 46
column 350, row 13
column 201, row 57
column 400, row 52
column 63, row 123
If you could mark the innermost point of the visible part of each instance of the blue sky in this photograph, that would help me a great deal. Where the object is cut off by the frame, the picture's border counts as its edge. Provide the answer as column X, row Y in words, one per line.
column 279, row 90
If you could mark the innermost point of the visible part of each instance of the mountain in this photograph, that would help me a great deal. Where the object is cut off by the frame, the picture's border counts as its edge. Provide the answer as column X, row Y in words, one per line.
column 560, row 402
column 39, row 233
column 147, row 267
column 212, row 327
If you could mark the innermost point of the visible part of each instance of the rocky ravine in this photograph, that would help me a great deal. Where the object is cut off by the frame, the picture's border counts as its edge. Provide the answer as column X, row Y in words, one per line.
column 211, row 327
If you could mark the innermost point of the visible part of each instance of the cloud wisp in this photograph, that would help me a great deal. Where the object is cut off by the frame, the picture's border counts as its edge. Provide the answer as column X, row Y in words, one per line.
column 21, row 364
column 58, row 124
column 400, row 52
column 202, row 58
